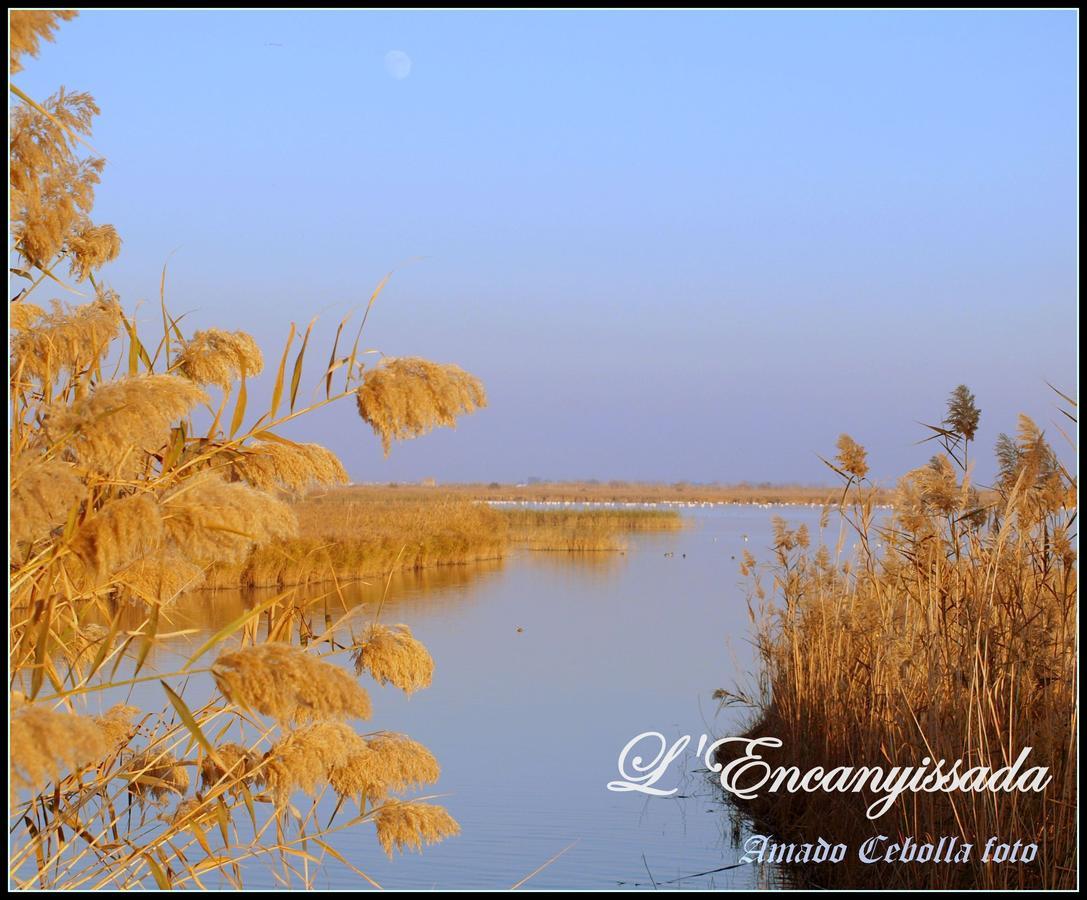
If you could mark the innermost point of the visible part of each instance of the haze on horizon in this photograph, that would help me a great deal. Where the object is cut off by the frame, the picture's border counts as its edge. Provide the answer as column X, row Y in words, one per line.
column 674, row 246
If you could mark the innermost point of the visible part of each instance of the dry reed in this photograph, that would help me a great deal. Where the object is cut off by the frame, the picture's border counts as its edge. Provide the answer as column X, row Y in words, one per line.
column 45, row 743
column 949, row 634
column 411, row 825
column 155, row 775
column 116, row 497
column 305, row 759
column 220, row 358
column 393, row 656
column 289, row 684
column 407, row 397
column 115, row 429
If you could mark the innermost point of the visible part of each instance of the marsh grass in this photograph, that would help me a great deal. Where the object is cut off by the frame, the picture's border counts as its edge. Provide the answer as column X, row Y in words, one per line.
column 949, row 633
column 585, row 530
column 351, row 534
column 345, row 538
column 137, row 468
column 648, row 493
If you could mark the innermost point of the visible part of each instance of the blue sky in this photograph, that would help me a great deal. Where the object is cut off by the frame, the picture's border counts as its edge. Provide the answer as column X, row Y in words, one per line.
column 674, row 245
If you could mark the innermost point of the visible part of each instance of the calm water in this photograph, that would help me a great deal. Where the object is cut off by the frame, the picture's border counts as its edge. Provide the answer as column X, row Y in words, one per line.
column 528, row 724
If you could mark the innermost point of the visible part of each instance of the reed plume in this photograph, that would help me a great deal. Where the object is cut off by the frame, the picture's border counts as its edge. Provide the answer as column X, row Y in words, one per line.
column 121, row 421
column 392, row 655
column 91, row 247
column 45, row 743
column 120, row 534
column 27, row 28
column 407, row 397
column 293, row 467
column 963, row 414
column 51, row 189
column 210, row 520
column 383, row 763
column 303, row 760
column 289, row 685
column 359, row 776
column 155, row 775
column 72, row 339
column 44, row 492
column 852, row 458
column 401, row 763
column 193, row 814
column 22, row 314
column 116, row 725
column 411, row 825
column 160, row 579
column 215, row 357
column 239, row 766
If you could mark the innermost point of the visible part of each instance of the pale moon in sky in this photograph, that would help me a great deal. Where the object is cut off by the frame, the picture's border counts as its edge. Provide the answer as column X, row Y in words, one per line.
column 398, row 64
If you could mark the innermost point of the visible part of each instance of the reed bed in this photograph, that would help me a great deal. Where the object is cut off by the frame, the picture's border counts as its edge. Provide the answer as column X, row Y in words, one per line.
column 950, row 633
column 585, row 530
column 639, row 493
column 347, row 541
column 138, row 468
column 351, row 534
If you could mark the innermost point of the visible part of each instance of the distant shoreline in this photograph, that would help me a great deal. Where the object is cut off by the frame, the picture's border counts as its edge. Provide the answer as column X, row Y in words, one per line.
column 614, row 492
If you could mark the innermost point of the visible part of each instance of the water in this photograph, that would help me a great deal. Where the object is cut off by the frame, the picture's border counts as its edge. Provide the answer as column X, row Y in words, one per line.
column 546, row 665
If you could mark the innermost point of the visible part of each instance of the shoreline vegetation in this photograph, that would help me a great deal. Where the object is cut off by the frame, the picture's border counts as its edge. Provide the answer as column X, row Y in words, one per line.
column 140, row 470
column 348, row 534
column 949, row 634
column 633, row 493
column 138, row 464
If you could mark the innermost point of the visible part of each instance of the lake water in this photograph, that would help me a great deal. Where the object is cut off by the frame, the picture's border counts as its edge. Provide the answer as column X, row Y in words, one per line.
column 545, row 666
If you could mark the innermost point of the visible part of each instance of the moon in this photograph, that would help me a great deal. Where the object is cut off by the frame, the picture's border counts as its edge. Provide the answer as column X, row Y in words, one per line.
column 398, row 64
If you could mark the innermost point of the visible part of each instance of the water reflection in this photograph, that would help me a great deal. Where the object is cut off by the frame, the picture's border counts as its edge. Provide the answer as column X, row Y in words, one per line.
column 545, row 667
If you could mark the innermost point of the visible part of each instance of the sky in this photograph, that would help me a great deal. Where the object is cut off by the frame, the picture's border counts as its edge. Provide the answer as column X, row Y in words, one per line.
column 674, row 245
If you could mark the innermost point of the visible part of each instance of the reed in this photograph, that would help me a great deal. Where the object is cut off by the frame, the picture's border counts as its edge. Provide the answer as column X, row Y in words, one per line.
column 138, row 471
column 585, row 530
column 349, row 534
column 950, row 633
column 635, row 493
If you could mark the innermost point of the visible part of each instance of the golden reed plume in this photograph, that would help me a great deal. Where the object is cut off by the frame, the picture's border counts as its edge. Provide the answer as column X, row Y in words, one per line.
column 411, row 825
column 117, row 425
column 210, row 520
column 155, row 774
column 383, row 763
column 392, row 655
column 293, row 467
column 288, row 684
column 46, row 743
column 128, row 487
column 304, row 759
column 407, row 397
column 27, row 28
column 220, row 357
column 67, row 339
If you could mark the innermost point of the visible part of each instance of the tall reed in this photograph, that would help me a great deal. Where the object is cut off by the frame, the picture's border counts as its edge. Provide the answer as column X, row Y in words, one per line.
column 949, row 633
column 136, row 469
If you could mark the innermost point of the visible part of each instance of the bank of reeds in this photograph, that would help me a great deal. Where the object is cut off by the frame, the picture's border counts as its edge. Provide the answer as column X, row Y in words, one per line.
column 584, row 530
column 350, row 534
column 137, row 467
column 950, row 633
column 636, row 493
column 347, row 541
